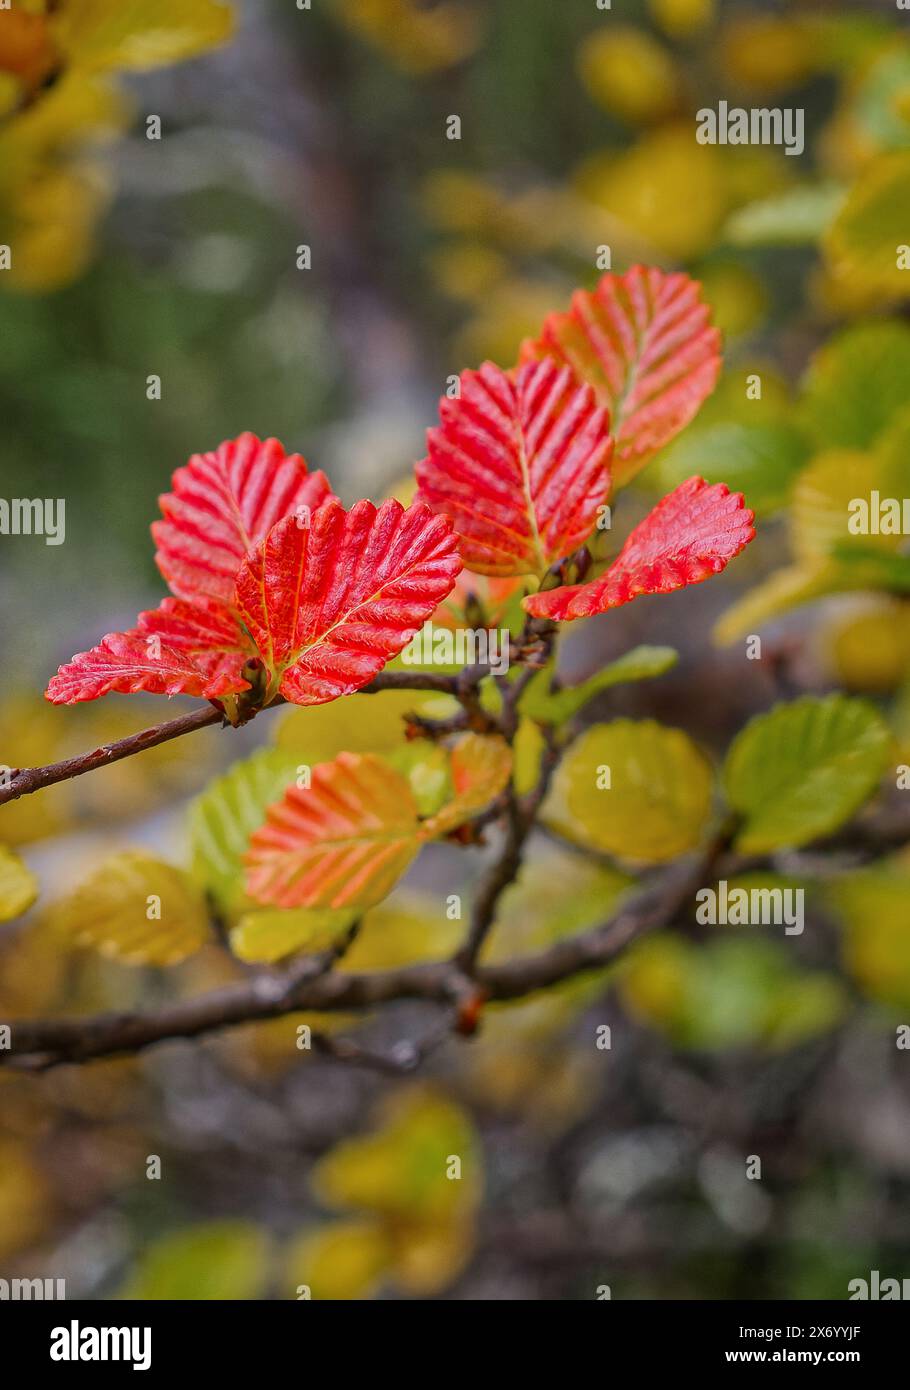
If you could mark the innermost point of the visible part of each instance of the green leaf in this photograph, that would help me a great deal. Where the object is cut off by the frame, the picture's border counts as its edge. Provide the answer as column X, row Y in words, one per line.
column 797, row 217
column 18, row 885
column 870, row 568
column 801, row 770
column 222, row 818
column 862, row 243
column 220, row 1260
column 659, row 796
column 639, row 664
column 858, row 381
column 729, row 992
column 759, row 460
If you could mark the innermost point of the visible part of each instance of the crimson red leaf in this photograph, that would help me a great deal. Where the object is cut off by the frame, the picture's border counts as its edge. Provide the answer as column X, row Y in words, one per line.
column 223, row 504
column 330, row 603
column 344, row 841
column 645, row 343
column 693, row 533
column 520, row 465
column 177, row 649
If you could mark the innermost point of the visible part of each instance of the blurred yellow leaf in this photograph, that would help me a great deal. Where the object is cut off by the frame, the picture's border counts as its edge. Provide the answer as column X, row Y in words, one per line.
column 345, row 1260
column 767, row 52
column 868, row 646
column 137, row 910
column 18, row 885
column 868, row 243
column 219, row 1260
column 24, row 1198
column 138, row 34
column 876, row 946
column 420, row 1174
column 637, row 790
column 667, row 190
column 628, row 72
column 419, row 39
column 682, row 18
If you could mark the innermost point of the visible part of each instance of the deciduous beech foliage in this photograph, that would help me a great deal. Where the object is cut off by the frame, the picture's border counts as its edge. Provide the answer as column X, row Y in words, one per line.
column 280, row 596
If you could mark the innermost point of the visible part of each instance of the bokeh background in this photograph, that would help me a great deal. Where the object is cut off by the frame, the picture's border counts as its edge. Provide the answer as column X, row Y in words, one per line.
column 326, row 128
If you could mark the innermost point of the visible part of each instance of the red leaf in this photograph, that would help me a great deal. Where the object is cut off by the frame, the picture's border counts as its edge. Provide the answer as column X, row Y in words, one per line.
column 329, row 604
column 177, row 649
column 644, row 341
column 222, row 505
column 520, row 465
column 342, row 842
column 693, row 533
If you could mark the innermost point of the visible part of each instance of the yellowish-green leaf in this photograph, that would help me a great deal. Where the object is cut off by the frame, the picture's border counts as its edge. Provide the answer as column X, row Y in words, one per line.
column 728, row 992
column 639, row 664
column 18, row 885
column 801, row 770
column 139, row 34
column 637, row 790
column 822, row 495
column 220, row 1260
column 222, row 819
column 782, row 591
column 137, row 910
column 271, row 934
column 857, row 383
column 864, row 240
column 400, row 1169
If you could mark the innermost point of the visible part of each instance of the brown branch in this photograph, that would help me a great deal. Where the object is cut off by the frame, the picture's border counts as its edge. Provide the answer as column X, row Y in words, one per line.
column 36, row 1044
column 24, row 781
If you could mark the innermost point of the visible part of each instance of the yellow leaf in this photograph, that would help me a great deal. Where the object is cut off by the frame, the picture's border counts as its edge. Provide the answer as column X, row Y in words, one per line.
column 345, row 1260
column 137, row 910
column 139, row 34
column 667, row 192
column 418, row 39
column 637, row 790
column 272, row 934
column 628, row 73
column 681, row 18
column 24, row 1199
column 400, row 1170
column 18, row 886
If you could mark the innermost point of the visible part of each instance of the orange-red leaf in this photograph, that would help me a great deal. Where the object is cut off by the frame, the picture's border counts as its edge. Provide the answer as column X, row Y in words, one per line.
column 342, row 842
column 330, row 603
column 645, row 342
column 223, row 504
column 693, row 533
column 480, row 768
column 520, row 464
column 177, row 649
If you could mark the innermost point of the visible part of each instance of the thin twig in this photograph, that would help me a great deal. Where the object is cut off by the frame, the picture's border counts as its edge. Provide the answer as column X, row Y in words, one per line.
column 25, row 781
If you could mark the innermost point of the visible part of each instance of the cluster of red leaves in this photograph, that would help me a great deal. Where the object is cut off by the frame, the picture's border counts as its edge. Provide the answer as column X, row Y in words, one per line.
column 277, row 590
